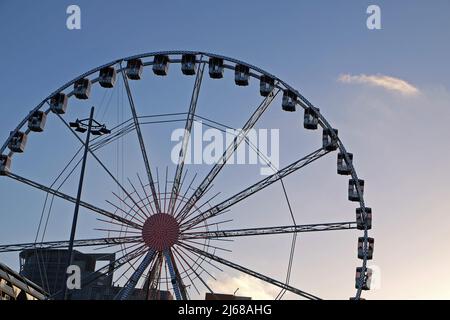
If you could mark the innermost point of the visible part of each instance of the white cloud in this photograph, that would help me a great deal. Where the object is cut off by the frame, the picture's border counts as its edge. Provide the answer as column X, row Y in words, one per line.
column 379, row 80
column 248, row 286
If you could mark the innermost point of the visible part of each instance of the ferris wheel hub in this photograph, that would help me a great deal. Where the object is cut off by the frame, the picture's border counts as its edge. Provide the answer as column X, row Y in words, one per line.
column 160, row 231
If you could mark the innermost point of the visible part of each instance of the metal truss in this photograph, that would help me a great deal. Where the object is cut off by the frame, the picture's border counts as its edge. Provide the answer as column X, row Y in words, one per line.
column 154, row 277
column 186, row 136
column 269, row 230
column 132, row 282
column 65, row 244
column 186, row 214
column 228, row 153
column 141, row 144
column 255, row 188
column 177, row 284
column 64, row 196
column 251, row 272
column 103, row 166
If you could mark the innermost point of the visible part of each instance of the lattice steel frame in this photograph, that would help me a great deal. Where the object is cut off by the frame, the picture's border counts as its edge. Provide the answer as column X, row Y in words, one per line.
column 175, row 57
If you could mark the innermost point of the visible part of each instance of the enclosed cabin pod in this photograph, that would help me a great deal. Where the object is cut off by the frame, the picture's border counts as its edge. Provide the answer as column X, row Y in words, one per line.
column 5, row 164
column 329, row 141
column 37, row 121
column 241, row 74
column 58, row 103
column 344, row 168
column 370, row 246
column 18, row 141
column 215, row 68
column 366, row 278
column 160, row 65
column 188, row 64
column 82, row 88
column 353, row 191
column 310, row 119
column 107, row 77
column 289, row 101
column 134, row 69
column 362, row 222
column 266, row 85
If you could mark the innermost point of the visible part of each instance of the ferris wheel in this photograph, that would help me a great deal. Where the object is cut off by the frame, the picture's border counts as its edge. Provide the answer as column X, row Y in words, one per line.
column 164, row 229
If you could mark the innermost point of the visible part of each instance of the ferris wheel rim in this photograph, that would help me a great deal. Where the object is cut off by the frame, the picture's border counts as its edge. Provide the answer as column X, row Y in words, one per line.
column 300, row 101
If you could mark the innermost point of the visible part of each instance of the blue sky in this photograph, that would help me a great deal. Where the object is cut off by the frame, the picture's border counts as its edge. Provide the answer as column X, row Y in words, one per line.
column 399, row 141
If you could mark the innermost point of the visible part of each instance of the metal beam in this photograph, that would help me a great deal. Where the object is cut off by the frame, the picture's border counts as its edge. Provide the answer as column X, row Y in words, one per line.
column 254, row 188
column 125, row 292
column 269, row 230
column 186, row 137
column 251, row 272
column 177, row 284
column 154, row 278
column 102, row 165
column 73, row 200
column 141, row 144
column 65, row 244
column 228, row 153
column 194, row 270
column 181, row 284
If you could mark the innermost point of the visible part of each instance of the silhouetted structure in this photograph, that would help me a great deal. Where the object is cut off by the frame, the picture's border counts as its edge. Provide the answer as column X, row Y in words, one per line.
column 46, row 268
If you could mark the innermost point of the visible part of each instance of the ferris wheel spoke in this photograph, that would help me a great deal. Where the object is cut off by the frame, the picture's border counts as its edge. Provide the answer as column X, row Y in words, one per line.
column 186, row 271
column 145, row 192
column 66, row 197
column 203, row 259
column 133, row 216
column 136, row 212
column 186, row 191
column 114, row 266
column 131, row 265
column 205, row 245
column 184, row 253
column 206, row 225
column 124, row 293
column 269, row 230
column 104, row 141
column 65, row 244
column 251, row 273
column 141, row 143
column 154, row 277
column 197, row 275
column 186, row 137
column 177, row 282
column 228, row 153
column 214, row 211
column 101, row 164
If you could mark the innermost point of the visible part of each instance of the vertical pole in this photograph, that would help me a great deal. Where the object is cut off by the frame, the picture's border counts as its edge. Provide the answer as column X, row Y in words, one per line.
column 77, row 204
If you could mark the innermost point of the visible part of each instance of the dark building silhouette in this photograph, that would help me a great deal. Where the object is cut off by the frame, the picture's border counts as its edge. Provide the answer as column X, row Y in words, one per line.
column 47, row 267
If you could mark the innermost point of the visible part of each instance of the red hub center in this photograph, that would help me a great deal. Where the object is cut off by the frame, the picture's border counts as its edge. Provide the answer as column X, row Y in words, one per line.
column 160, row 231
